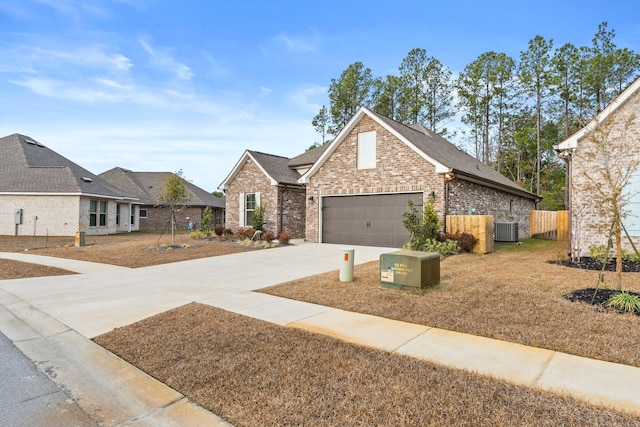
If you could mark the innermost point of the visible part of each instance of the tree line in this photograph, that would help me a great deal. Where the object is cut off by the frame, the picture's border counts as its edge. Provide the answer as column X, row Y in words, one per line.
column 514, row 109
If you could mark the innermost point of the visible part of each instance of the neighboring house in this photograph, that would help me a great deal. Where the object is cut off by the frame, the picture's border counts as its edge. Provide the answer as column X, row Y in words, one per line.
column 357, row 187
column 588, row 225
column 260, row 179
column 146, row 187
column 44, row 193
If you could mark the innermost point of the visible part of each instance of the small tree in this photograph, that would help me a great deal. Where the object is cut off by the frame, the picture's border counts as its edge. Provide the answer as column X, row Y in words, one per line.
column 422, row 226
column 175, row 195
column 609, row 168
column 206, row 224
column 257, row 220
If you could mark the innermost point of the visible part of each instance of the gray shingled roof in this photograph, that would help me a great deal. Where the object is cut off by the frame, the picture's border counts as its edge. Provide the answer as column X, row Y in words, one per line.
column 277, row 167
column 449, row 155
column 146, row 186
column 27, row 166
column 308, row 158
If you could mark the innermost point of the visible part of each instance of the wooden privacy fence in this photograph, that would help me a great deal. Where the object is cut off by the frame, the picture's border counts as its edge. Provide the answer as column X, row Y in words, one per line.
column 551, row 225
column 479, row 226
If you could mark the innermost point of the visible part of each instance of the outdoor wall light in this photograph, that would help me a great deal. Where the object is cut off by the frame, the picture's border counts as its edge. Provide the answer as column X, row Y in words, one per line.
column 310, row 200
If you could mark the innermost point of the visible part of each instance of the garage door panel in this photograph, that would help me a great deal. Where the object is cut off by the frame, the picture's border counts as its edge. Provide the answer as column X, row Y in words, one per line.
column 368, row 220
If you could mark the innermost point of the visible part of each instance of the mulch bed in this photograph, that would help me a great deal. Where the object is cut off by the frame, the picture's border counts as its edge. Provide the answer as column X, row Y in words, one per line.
column 596, row 297
column 588, row 263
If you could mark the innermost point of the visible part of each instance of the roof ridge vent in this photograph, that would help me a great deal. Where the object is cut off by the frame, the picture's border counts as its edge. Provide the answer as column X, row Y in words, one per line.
column 30, row 141
column 87, row 179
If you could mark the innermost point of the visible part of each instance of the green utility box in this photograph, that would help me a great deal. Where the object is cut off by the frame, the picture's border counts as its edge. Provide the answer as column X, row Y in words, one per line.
column 409, row 270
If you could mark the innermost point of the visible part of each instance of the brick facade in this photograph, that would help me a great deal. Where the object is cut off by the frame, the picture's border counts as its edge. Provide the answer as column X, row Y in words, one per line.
column 159, row 217
column 468, row 198
column 589, row 225
column 399, row 170
column 284, row 203
column 57, row 216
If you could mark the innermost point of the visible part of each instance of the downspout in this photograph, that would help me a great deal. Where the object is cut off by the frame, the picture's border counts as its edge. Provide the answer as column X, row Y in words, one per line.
column 280, row 228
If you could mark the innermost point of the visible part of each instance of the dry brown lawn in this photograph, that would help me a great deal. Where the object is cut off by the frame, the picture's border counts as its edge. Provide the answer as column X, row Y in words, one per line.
column 127, row 250
column 253, row 373
column 513, row 294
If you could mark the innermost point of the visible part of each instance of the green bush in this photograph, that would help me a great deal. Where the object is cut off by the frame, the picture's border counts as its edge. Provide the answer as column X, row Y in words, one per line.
column 625, row 301
column 446, row 248
column 422, row 226
column 206, row 224
column 257, row 220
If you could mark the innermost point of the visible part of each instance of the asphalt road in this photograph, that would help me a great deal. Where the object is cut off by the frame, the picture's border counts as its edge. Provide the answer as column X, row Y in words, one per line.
column 29, row 398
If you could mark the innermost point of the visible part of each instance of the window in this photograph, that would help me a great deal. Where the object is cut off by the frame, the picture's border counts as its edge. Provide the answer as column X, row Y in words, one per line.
column 118, row 214
column 97, row 213
column 632, row 193
column 133, row 215
column 218, row 215
column 143, row 213
column 367, row 150
column 249, row 207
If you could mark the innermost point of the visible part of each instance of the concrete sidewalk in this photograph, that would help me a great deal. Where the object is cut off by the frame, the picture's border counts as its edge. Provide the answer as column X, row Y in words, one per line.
column 94, row 303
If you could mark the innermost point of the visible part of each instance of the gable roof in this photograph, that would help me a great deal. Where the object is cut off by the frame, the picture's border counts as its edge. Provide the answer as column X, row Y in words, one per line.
column 275, row 168
column 27, row 166
column 147, row 185
column 308, row 158
column 446, row 157
column 572, row 141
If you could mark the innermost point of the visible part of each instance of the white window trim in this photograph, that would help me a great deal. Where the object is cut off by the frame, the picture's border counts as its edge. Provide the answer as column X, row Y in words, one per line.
column 367, row 150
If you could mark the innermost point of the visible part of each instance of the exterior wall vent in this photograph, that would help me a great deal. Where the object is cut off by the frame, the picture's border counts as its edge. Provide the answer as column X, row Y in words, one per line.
column 506, row 232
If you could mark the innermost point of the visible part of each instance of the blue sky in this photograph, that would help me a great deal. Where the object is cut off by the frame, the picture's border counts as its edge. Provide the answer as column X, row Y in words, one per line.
column 165, row 85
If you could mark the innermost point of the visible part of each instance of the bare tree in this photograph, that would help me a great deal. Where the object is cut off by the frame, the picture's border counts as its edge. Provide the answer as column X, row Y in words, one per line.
column 609, row 168
column 175, row 195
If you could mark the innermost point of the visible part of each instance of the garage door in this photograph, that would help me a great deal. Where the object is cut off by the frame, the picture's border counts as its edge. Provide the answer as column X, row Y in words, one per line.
column 368, row 220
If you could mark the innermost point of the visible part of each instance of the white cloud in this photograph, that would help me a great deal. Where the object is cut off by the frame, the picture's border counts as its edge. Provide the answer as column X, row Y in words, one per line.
column 163, row 59
column 265, row 91
column 309, row 98
column 298, row 43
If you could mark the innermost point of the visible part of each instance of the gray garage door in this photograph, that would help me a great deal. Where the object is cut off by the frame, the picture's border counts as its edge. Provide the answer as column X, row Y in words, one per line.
column 369, row 220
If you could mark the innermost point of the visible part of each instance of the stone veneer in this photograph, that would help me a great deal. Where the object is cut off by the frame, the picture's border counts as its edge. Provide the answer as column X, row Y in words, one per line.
column 588, row 225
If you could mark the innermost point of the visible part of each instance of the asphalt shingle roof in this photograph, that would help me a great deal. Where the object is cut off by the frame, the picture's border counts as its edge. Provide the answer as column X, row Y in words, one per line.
column 277, row 167
column 27, row 166
column 147, row 185
column 449, row 155
column 308, row 157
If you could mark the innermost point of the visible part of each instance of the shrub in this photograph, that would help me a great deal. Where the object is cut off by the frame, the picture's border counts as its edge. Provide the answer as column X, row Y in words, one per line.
column 268, row 236
column 246, row 232
column 284, row 238
column 448, row 247
column 597, row 252
column 219, row 230
column 257, row 220
column 625, row 301
column 466, row 241
column 422, row 226
column 198, row 235
column 206, row 223
column 228, row 232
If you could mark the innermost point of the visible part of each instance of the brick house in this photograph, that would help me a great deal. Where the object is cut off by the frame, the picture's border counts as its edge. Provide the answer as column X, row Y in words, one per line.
column 356, row 188
column 266, row 180
column 146, row 187
column 44, row 193
column 619, row 120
